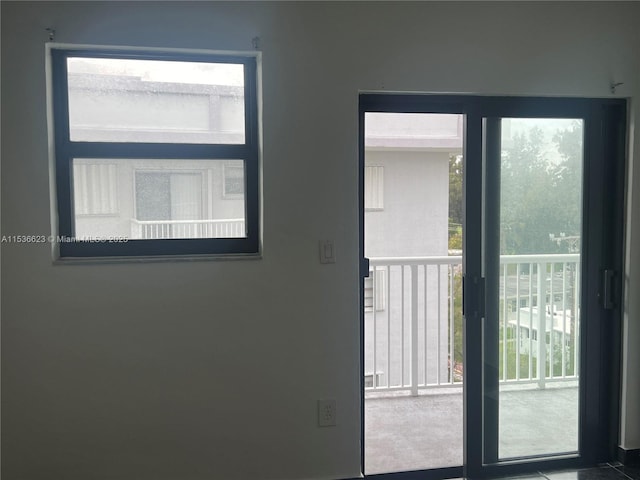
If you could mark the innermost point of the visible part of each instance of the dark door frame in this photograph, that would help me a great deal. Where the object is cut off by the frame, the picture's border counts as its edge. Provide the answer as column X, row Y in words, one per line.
column 602, row 248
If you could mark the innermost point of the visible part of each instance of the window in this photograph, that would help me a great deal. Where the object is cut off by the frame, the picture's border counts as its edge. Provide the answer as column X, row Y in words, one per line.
column 95, row 188
column 374, row 187
column 233, row 181
column 377, row 278
column 156, row 153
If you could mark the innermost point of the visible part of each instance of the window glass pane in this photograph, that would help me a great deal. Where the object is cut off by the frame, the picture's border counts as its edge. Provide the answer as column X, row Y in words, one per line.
column 158, row 199
column 413, row 361
column 539, row 319
column 124, row 100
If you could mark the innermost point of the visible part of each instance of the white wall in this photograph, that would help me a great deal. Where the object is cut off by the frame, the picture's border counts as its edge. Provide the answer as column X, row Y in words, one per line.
column 212, row 369
column 414, row 221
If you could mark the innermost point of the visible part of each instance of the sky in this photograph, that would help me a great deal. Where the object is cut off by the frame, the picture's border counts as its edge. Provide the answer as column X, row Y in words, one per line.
column 162, row 71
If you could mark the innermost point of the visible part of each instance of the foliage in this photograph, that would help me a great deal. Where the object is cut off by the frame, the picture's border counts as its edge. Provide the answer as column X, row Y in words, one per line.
column 540, row 194
column 457, row 318
column 511, row 363
column 455, row 202
column 540, row 191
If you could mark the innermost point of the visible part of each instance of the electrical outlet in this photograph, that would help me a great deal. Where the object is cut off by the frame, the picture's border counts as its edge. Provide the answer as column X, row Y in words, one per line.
column 327, row 413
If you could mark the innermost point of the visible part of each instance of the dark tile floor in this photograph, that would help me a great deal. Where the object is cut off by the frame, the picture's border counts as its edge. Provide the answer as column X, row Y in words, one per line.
column 630, row 471
column 613, row 471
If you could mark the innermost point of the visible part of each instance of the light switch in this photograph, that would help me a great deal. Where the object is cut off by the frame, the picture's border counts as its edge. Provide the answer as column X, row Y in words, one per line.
column 327, row 251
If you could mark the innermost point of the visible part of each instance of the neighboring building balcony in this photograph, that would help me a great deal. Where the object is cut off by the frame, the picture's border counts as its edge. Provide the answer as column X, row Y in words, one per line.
column 163, row 229
column 413, row 322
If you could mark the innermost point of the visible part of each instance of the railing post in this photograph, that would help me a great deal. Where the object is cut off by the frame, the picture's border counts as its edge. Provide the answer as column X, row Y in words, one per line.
column 414, row 330
column 374, row 323
column 452, row 320
column 542, row 325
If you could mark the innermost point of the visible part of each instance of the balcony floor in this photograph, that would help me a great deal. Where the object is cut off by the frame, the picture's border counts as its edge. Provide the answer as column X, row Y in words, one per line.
column 414, row 433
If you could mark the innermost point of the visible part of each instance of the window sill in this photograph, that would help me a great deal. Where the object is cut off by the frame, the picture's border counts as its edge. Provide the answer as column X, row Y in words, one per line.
column 155, row 259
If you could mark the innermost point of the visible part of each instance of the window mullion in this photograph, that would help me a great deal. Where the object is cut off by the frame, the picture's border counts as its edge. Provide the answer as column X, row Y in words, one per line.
column 155, row 150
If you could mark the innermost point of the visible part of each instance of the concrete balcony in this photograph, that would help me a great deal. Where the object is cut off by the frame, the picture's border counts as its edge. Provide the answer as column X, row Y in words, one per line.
column 421, row 432
column 414, row 367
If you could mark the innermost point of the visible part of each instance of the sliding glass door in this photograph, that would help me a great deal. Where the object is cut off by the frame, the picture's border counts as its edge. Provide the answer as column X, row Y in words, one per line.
column 540, row 255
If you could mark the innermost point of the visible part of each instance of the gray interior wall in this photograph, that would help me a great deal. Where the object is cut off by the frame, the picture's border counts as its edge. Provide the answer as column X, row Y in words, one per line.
column 212, row 369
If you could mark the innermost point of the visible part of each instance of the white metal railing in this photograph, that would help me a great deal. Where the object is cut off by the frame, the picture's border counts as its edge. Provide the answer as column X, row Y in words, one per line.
column 413, row 321
column 163, row 229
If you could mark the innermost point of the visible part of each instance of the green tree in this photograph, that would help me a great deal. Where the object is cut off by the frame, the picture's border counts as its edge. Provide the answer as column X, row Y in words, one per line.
column 568, row 181
column 456, row 165
column 455, row 202
column 540, row 191
column 526, row 208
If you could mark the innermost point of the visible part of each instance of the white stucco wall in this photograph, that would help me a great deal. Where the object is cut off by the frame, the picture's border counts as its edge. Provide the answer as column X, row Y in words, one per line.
column 412, row 223
column 414, row 220
column 212, row 369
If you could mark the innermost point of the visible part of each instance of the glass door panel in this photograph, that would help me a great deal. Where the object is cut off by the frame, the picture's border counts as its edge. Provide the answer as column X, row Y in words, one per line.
column 413, row 364
column 533, row 283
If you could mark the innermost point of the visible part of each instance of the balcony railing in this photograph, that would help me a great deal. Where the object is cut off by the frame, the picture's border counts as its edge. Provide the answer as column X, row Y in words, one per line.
column 163, row 229
column 413, row 321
